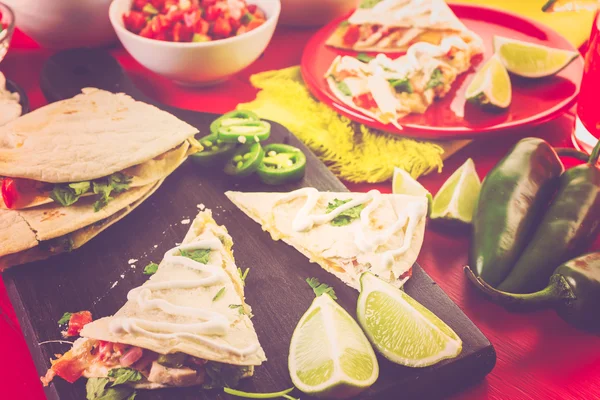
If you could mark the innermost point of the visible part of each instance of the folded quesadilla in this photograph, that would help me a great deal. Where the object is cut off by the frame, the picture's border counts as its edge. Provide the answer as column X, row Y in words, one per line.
column 388, row 90
column 395, row 25
column 95, row 144
column 187, row 325
column 345, row 233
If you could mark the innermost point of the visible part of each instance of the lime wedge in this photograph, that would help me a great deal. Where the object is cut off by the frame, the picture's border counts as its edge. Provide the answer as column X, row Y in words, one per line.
column 570, row 5
column 329, row 354
column 400, row 328
column 531, row 60
column 457, row 198
column 491, row 85
column 404, row 183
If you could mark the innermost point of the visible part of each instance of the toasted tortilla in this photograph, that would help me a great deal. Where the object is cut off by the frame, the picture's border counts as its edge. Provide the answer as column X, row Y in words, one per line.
column 71, row 241
column 89, row 136
column 240, row 333
column 333, row 247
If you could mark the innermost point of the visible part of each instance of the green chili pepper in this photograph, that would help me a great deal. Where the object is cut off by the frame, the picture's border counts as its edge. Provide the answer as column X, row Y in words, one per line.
column 245, row 160
column 214, row 152
column 573, row 291
column 282, row 163
column 513, row 197
column 232, row 117
column 567, row 229
column 245, row 132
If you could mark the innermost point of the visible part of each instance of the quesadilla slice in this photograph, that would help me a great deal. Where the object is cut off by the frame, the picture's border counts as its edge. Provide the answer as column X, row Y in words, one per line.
column 388, row 90
column 187, row 325
column 395, row 25
column 94, row 145
column 345, row 233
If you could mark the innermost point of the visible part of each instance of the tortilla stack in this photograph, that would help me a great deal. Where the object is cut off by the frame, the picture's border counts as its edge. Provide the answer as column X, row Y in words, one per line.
column 187, row 325
column 345, row 233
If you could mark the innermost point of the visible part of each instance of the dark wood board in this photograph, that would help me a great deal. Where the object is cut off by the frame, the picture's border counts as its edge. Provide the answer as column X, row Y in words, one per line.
column 276, row 288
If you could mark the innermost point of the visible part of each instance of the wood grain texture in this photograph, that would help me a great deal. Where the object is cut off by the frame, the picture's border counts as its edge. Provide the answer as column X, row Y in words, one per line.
column 98, row 276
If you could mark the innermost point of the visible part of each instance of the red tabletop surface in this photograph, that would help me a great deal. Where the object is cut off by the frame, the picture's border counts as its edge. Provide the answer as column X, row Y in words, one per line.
column 539, row 355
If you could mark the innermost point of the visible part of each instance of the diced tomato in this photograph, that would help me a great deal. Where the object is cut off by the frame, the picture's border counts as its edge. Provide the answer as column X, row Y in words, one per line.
column 182, row 33
column 222, row 27
column 105, row 350
column 252, row 8
column 202, row 27
column 241, row 30
column 134, row 21
column 255, row 23
column 147, row 32
column 365, row 101
column 259, row 14
column 235, row 23
column 212, row 13
column 10, row 195
column 352, row 34
column 161, row 36
column 190, row 18
column 207, row 3
column 174, row 16
column 139, row 4
column 158, row 4
column 78, row 321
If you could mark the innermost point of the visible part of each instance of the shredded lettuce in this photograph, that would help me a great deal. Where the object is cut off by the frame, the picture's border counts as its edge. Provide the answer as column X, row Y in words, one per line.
column 67, row 194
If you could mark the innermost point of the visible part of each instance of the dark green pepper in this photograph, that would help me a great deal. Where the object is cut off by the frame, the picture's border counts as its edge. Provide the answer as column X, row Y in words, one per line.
column 282, row 164
column 215, row 151
column 173, row 360
column 569, row 227
column 245, row 132
column 245, row 160
column 573, row 291
column 514, row 196
column 231, row 118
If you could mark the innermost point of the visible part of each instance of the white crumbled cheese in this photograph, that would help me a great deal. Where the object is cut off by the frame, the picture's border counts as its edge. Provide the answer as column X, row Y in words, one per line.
column 201, row 206
column 185, row 221
column 132, row 260
column 242, row 139
column 290, row 163
column 114, row 284
column 272, row 154
column 155, row 246
column 133, row 266
column 122, row 276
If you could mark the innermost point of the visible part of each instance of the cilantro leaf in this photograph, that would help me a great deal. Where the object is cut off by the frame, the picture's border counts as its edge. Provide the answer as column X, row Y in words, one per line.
column 65, row 318
column 103, row 187
column 369, row 3
column 239, row 307
column 97, row 390
column 343, row 87
column 243, row 275
column 345, row 217
column 402, row 85
column 64, row 195
column 124, row 375
column 200, row 255
column 321, row 288
column 435, row 80
column 220, row 375
column 364, row 57
column 80, row 187
column 219, row 294
column 151, row 268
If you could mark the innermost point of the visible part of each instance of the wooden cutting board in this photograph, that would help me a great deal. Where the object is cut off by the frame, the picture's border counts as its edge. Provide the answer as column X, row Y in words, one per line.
column 98, row 276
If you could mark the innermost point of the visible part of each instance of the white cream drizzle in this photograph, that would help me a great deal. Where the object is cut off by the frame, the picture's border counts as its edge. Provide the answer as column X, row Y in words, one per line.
column 212, row 323
column 365, row 240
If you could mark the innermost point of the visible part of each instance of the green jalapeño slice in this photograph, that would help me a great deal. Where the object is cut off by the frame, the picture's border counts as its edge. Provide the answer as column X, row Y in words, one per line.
column 215, row 151
column 245, row 132
column 282, row 164
column 245, row 160
column 233, row 118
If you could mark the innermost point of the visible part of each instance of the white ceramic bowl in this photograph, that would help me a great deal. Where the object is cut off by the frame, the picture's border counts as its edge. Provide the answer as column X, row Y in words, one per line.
column 197, row 64
column 314, row 12
column 62, row 24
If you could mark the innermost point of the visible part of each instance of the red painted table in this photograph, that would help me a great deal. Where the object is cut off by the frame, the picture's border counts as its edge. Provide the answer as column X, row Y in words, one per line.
column 539, row 355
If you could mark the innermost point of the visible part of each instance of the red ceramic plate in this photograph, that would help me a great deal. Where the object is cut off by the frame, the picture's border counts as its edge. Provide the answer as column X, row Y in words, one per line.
column 533, row 100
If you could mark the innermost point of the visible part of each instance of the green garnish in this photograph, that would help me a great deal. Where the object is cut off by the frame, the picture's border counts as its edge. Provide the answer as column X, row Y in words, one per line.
column 321, row 288
column 223, row 375
column 343, row 87
column 150, row 9
column 343, row 24
column 248, row 395
column 402, row 85
column 65, row 318
column 219, row 294
column 369, row 3
column 246, row 18
column 124, row 375
column 435, row 80
column 67, row 194
column 200, row 255
column 97, row 389
column 347, row 216
column 243, row 275
column 239, row 307
column 364, row 57
column 151, row 268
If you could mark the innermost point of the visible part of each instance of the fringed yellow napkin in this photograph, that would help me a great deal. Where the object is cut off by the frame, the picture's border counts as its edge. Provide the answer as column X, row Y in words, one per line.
column 352, row 151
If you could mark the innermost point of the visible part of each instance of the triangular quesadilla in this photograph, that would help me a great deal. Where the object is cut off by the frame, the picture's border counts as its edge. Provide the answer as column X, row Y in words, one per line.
column 395, row 25
column 187, row 325
column 90, row 145
column 345, row 233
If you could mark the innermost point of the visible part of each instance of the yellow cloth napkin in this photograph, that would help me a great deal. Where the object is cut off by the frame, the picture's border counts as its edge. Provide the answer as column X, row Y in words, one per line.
column 575, row 26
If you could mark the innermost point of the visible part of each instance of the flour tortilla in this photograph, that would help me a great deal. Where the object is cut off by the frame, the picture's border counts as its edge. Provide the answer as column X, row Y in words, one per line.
column 241, row 332
column 90, row 136
column 333, row 246
column 76, row 239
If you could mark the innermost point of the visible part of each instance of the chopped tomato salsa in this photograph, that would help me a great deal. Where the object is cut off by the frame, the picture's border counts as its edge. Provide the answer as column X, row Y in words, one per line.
column 192, row 20
column 365, row 101
column 77, row 322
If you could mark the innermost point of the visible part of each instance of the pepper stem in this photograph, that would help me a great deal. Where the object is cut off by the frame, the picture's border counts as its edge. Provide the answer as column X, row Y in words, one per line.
column 573, row 153
column 557, row 291
column 595, row 154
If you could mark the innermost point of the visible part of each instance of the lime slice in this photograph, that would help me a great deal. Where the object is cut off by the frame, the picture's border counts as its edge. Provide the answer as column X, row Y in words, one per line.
column 400, row 328
column 491, row 85
column 531, row 60
column 329, row 354
column 457, row 198
column 404, row 183
column 570, row 5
